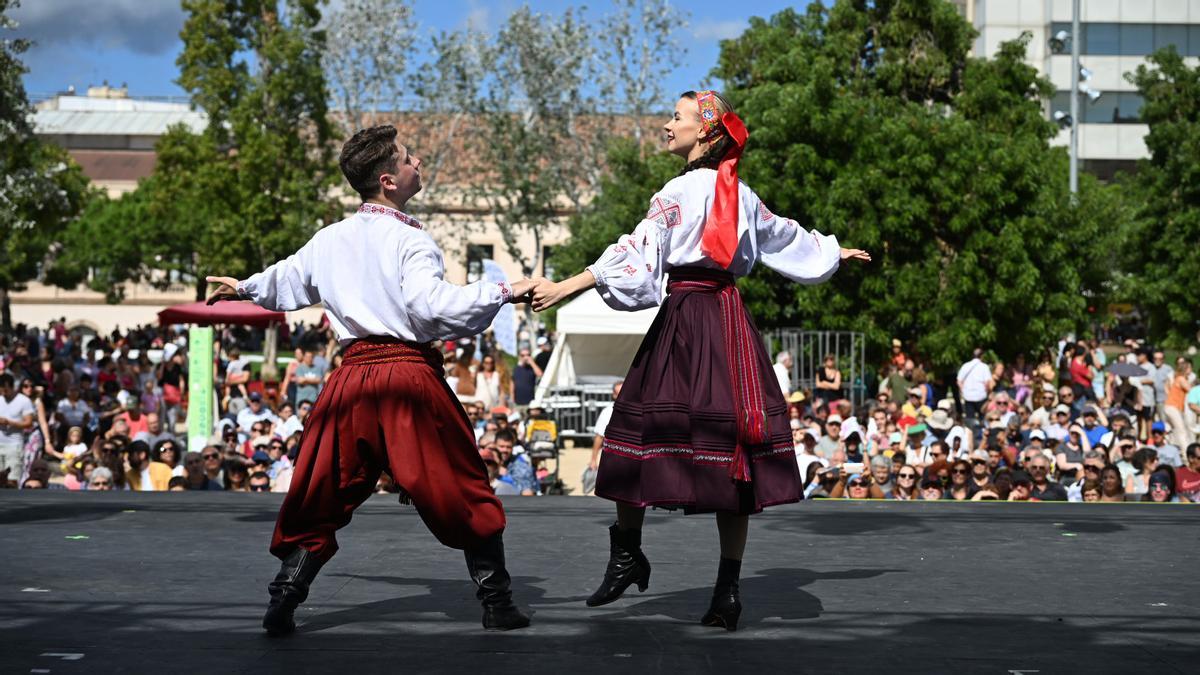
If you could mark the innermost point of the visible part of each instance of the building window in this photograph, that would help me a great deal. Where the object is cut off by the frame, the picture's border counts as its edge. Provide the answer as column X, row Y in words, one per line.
column 1123, row 107
column 476, row 254
column 1134, row 39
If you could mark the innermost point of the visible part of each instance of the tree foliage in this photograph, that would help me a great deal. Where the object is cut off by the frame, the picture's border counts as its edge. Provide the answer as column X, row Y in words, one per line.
column 1163, row 266
column 41, row 188
column 871, row 122
column 251, row 187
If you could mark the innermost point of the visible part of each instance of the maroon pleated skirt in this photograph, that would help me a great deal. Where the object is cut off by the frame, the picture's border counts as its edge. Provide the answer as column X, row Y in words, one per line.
column 674, row 430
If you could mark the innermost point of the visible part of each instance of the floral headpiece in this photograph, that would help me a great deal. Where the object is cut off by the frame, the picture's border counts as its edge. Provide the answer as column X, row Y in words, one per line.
column 710, row 114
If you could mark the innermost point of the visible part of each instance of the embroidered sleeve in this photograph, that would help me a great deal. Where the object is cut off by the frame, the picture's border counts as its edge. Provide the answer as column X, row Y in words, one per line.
column 438, row 309
column 287, row 285
column 804, row 256
column 629, row 273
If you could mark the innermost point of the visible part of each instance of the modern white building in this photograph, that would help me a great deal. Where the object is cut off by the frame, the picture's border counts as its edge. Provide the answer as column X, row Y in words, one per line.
column 1116, row 36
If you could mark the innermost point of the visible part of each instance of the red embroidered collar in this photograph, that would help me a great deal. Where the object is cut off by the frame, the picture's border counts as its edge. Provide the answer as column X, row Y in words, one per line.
column 380, row 209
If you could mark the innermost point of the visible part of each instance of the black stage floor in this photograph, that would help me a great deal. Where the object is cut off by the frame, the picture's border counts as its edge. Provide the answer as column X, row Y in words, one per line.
column 175, row 583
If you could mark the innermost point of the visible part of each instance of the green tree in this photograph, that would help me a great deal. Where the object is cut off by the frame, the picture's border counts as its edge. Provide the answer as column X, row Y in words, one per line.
column 41, row 188
column 1163, row 266
column 871, row 122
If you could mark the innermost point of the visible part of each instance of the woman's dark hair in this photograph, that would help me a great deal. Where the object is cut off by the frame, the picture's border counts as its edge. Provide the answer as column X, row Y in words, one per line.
column 1112, row 468
column 368, row 154
column 716, row 152
column 177, row 481
column 1142, row 456
column 158, row 449
column 1092, row 484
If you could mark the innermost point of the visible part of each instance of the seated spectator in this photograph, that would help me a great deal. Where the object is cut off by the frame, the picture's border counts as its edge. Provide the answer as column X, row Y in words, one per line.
column 1043, row 489
column 277, row 451
column 177, row 484
column 1090, row 490
column 1167, row 454
column 1093, row 464
column 289, row 422
column 518, row 470
column 881, row 472
column 236, row 476
column 962, row 488
column 1145, row 462
column 167, row 452
column 78, row 473
column 101, row 479
column 261, row 462
column 931, row 489
column 1187, row 479
column 75, row 447
column 255, row 411
column 981, row 474
column 260, row 482
column 1022, row 487
column 906, row 484
column 194, row 464
column 154, row 433
column 144, row 474
column 1112, row 484
column 1161, row 488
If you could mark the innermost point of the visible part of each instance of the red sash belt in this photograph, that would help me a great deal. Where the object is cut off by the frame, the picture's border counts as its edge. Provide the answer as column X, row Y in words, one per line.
column 381, row 349
column 744, row 371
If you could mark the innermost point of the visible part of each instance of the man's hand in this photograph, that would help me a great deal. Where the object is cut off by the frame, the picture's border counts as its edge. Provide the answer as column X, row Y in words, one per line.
column 855, row 254
column 226, row 289
column 523, row 289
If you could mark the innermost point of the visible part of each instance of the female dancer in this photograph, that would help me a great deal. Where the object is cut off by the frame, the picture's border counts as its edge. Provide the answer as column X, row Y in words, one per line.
column 700, row 423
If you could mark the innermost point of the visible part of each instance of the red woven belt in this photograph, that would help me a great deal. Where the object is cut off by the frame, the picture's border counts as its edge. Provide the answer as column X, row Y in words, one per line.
column 743, row 367
column 375, row 350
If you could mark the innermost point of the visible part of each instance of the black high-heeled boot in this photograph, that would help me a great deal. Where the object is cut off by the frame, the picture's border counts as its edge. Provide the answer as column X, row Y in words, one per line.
column 288, row 590
column 726, row 604
column 486, row 565
column 627, row 565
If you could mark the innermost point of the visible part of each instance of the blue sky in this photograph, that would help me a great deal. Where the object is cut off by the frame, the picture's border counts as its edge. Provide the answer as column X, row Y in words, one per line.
column 82, row 42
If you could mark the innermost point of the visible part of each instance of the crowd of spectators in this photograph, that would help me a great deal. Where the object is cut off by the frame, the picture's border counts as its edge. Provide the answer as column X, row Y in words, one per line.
column 109, row 412
column 1076, row 426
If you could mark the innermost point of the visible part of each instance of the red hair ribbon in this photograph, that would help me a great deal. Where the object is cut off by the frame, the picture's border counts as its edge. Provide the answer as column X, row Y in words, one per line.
column 720, row 238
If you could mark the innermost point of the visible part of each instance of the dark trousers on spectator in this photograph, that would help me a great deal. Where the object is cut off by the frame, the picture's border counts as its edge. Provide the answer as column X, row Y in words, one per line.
column 387, row 408
column 972, row 411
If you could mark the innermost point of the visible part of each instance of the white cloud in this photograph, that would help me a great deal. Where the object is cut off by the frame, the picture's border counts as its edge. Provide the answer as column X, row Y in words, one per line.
column 718, row 30
column 479, row 18
column 143, row 26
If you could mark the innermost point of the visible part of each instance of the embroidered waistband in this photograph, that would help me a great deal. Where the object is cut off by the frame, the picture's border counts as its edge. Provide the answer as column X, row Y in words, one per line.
column 683, row 279
column 380, row 349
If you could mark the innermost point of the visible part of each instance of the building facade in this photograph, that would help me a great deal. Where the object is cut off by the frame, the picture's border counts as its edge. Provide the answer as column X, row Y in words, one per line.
column 1115, row 38
column 112, row 137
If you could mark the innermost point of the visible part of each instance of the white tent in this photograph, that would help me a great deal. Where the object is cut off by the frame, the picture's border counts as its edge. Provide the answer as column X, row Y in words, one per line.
column 595, row 343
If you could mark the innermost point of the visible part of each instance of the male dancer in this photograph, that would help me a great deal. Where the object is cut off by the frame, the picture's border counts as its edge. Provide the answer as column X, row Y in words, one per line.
column 387, row 407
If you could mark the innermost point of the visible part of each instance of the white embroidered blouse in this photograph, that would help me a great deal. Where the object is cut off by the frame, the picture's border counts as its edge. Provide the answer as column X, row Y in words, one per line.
column 378, row 273
column 629, row 274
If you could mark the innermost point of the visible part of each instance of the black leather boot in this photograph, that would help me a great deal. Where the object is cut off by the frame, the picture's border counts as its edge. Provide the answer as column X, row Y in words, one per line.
column 726, row 604
column 486, row 565
column 627, row 565
column 288, row 590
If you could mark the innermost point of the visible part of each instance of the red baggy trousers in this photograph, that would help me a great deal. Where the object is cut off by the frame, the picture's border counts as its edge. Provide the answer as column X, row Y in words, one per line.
column 387, row 408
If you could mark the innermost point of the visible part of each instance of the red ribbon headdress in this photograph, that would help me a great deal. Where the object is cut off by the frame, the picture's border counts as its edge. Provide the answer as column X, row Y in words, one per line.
column 719, row 240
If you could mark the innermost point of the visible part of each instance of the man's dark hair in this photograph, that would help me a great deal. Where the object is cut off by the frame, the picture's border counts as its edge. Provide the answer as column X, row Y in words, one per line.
column 177, row 481
column 368, row 154
column 7, row 380
column 139, row 446
column 506, row 434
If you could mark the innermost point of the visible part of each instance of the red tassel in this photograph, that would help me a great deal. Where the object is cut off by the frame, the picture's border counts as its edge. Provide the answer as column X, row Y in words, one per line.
column 739, row 467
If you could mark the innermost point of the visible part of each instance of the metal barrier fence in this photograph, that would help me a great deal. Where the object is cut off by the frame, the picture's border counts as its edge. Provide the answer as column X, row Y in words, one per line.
column 809, row 348
column 575, row 409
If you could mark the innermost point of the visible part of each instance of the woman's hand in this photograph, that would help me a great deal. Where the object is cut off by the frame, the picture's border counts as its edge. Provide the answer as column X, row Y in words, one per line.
column 548, row 295
column 226, row 289
column 523, row 289
column 855, row 254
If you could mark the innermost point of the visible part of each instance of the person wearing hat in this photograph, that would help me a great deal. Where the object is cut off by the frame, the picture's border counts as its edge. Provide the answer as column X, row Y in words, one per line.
column 831, row 440
column 255, row 411
column 703, row 359
column 1022, row 487
column 1167, row 454
column 1057, row 431
column 545, row 350
column 932, row 489
column 915, row 406
column 981, row 470
column 1095, row 424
